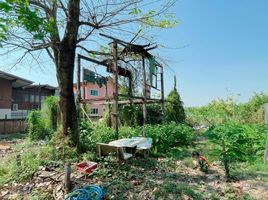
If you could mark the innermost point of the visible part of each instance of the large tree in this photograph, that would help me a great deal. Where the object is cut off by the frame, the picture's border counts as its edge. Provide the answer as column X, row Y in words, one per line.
column 60, row 27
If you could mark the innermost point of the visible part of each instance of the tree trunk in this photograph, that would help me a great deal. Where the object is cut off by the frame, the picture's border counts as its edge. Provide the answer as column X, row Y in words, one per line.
column 64, row 53
column 225, row 161
column 65, row 70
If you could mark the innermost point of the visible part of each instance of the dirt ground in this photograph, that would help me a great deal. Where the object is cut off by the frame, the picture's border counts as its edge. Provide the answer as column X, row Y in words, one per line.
column 142, row 178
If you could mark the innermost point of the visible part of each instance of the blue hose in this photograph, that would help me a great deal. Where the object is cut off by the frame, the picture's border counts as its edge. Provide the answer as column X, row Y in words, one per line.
column 89, row 192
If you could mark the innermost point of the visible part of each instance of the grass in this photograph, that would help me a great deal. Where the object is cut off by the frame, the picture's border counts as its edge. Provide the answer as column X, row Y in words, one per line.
column 33, row 155
column 176, row 191
column 13, row 136
column 30, row 161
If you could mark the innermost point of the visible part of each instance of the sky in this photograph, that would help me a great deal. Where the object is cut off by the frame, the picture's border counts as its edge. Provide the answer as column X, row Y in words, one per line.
column 218, row 49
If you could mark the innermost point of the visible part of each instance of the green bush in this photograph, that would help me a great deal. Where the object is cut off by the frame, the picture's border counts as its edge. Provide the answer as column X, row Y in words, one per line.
column 174, row 110
column 242, row 141
column 169, row 135
column 222, row 110
column 51, row 107
column 164, row 136
column 91, row 134
column 37, row 128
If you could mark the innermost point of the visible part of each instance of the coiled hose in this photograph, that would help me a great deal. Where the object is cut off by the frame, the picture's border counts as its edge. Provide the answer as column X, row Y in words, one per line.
column 89, row 192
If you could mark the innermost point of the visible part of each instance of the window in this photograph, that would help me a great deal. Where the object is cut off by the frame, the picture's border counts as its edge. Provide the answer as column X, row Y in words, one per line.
column 32, row 98
column 94, row 93
column 37, row 98
column 14, row 107
column 26, row 97
column 94, row 111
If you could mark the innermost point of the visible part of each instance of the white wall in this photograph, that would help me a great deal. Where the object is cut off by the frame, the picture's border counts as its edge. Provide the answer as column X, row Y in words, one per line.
column 4, row 112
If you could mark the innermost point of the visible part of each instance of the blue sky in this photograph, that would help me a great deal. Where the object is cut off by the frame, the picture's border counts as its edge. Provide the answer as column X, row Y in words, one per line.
column 219, row 48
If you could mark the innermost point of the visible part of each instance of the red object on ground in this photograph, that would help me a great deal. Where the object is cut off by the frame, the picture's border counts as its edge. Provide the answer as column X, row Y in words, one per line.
column 86, row 167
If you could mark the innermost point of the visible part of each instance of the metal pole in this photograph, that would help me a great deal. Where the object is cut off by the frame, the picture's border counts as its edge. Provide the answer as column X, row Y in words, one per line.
column 144, row 96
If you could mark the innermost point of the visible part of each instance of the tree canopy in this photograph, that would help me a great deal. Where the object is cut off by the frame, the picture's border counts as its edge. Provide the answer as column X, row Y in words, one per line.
column 61, row 27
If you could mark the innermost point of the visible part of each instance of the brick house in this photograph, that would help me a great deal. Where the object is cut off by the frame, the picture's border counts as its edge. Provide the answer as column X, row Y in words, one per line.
column 18, row 96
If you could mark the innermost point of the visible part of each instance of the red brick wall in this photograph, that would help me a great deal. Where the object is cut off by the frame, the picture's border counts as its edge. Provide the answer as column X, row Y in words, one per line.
column 5, row 94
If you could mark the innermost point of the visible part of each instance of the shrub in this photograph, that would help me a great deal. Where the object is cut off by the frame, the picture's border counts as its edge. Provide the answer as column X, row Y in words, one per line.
column 37, row 128
column 239, row 142
column 174, row 108
column 222, row 110
column 51, row 103
column 169, row 135
column 242, row 141
column 164, row 136
column 91, row 134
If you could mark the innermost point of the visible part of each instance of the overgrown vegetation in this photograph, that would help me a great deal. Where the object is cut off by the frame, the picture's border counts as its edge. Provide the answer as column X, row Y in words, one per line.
column 37, row 126
column 237, row 127
column 223, row 110
column 164, row 136
column 42, row 124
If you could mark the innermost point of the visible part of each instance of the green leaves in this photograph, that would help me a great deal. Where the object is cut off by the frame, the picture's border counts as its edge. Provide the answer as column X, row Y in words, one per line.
column 20, row 14
column 5, row 7
column 222, row 110
column 152, row 19
column 242, row 141
column 135, row 11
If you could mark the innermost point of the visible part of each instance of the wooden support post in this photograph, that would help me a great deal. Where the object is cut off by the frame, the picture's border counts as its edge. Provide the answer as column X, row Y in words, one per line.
column 84, row 84
column 106, row 88
column 130, row 86
column 175, row 82
column 115, row 94
column 78, row 79
column 18, row 160
column 39, row 97
column 67, row 177
column 162, row 92
column 266, row 152
column 144, row 96
column 5, row 131
column 78, row 85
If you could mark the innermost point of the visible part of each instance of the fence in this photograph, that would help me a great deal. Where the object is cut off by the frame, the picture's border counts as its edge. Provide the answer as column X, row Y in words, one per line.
column 8, row 126
column 20, row 114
